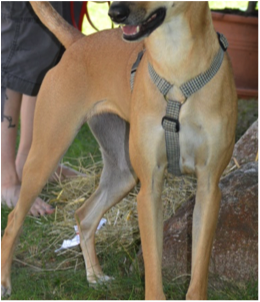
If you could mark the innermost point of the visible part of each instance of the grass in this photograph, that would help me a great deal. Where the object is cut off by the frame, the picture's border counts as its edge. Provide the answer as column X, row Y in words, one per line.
column 83, row 146
column 242, row 5
column 247, row 113
column 42, row 282
column 34, row 272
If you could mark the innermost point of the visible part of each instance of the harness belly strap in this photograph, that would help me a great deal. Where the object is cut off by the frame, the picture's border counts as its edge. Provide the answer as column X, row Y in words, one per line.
column 170, row 121
column 171, row 126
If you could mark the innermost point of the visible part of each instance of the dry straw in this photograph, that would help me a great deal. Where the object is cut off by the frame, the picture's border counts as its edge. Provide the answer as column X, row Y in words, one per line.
column 121, row 229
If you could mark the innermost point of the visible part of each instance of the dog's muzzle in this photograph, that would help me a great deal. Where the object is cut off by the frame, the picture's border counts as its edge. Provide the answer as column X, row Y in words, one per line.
column 119, row 13
column 136, row 25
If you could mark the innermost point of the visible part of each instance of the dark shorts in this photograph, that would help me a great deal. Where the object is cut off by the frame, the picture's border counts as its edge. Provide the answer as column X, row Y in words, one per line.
column 28, row 48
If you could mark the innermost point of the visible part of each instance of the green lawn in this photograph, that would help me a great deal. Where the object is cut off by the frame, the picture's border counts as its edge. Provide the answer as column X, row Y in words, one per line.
column 242, row 5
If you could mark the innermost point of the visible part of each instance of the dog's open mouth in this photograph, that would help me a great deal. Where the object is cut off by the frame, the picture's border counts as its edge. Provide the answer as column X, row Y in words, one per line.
column 133, row 33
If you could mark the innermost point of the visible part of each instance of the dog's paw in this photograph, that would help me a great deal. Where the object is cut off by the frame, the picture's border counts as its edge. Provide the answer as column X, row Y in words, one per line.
column 5, row 291
column 105, row 279
column 93, row 282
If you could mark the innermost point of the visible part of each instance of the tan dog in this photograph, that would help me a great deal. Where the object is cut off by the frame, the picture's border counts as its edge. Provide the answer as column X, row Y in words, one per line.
column 92, row 83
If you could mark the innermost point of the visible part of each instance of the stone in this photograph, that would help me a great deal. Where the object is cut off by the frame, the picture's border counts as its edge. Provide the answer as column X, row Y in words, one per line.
column 235, row 248
column 246, row 149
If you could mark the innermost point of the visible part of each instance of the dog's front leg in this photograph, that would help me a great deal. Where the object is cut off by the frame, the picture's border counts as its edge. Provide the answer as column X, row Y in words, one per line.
column 149, row 164
column 204, row 224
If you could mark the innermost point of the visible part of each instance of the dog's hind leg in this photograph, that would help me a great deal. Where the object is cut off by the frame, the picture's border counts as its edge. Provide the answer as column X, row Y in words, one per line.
column 57, row 120
column 116, row 181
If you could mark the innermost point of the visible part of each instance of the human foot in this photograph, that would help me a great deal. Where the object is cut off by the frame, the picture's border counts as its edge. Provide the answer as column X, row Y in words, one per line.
column 63, row 172
column 10, row 196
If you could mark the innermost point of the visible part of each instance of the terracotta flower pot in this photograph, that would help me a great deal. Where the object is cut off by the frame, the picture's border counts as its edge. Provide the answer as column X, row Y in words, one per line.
column 242, row 35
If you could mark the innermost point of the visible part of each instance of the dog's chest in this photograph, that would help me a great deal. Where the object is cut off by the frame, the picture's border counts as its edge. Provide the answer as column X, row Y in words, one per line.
column 192, row 139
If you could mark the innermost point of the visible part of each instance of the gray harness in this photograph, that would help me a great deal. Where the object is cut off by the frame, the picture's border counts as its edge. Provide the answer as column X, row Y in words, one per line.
column 170, row 121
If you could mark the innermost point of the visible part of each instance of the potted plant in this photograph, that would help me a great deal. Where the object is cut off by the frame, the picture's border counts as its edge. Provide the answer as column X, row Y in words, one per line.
column 241, row 30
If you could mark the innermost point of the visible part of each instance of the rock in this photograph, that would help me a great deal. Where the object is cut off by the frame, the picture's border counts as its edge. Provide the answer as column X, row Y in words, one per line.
column 177, row 240
column 247, row 147
column 235, row 248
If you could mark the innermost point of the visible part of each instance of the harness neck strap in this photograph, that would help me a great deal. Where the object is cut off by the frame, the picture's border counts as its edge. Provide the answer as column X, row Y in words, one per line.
column 195, row 84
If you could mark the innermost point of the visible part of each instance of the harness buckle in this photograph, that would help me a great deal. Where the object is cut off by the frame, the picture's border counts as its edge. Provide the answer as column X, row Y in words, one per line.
column 169, row 127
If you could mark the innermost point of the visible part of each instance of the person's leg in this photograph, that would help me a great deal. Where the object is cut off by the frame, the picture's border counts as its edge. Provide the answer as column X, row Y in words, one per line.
column 9, row 179
column 10, row 182
column 27, row 116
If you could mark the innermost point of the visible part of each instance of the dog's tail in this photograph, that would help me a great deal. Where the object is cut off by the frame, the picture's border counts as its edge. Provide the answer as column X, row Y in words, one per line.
column 64, row 32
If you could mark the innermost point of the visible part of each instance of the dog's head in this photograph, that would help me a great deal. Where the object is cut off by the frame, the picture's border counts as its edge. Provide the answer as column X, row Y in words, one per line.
column 140, row 18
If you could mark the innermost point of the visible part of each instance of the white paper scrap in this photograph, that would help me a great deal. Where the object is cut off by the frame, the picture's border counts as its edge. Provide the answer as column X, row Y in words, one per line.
column 76, row 240
column 101, row 223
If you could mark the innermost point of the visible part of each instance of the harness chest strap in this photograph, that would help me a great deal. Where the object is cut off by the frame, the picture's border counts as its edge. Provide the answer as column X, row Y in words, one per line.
column 170, row 121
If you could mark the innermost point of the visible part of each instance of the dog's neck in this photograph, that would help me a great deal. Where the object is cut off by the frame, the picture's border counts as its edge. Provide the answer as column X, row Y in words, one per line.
column 183, row 47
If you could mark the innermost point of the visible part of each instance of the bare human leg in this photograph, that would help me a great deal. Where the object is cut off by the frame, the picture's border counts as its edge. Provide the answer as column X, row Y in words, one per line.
column 10, row 181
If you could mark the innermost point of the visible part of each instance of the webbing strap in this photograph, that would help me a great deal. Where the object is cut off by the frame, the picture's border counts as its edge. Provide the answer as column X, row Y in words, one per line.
column 163, row 85
column 202, row 79
column 171, row 126
column 195, row 84
column 134, row 68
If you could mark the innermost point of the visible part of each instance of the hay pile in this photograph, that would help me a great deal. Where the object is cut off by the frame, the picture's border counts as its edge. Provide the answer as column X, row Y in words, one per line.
column 121, row 229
